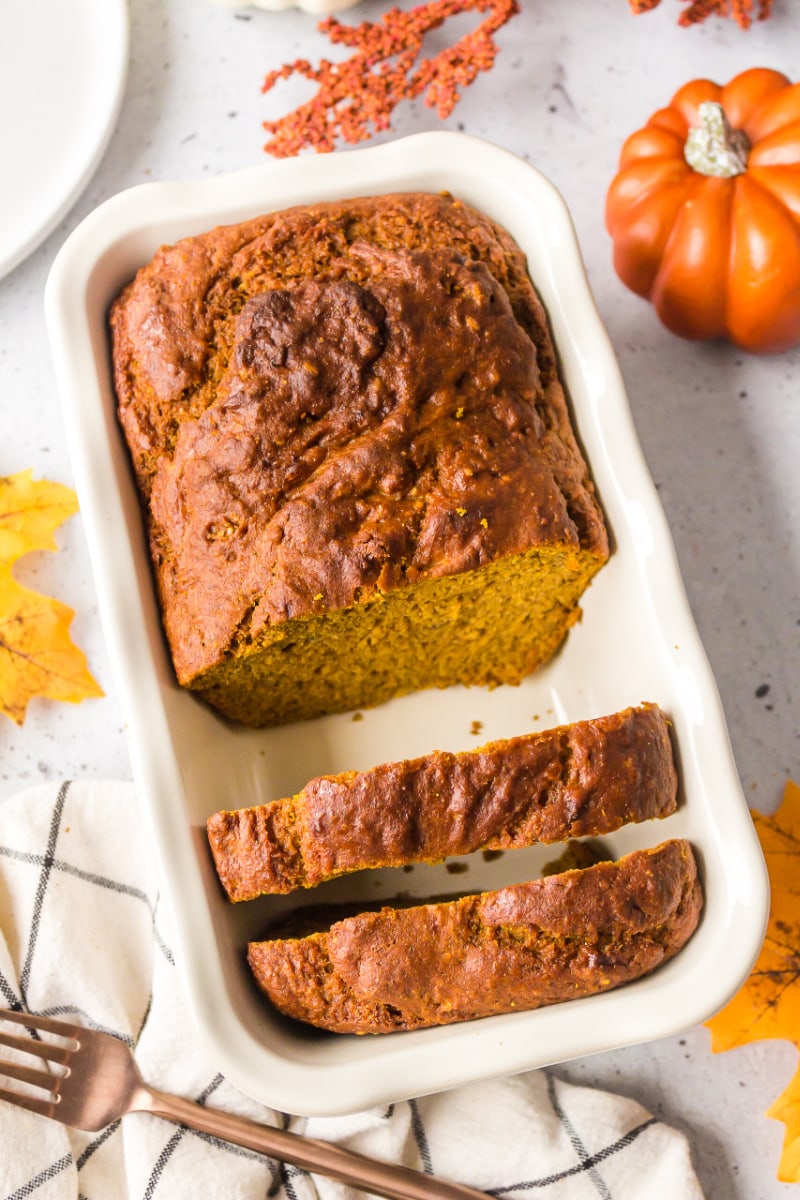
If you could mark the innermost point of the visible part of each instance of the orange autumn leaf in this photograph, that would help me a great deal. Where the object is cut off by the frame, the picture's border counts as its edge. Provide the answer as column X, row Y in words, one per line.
column 37, row 656
column 768, row 1005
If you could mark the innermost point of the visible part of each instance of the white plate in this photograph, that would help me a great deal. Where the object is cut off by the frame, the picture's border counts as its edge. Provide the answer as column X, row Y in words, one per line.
column 636, row 642
column 62, row 72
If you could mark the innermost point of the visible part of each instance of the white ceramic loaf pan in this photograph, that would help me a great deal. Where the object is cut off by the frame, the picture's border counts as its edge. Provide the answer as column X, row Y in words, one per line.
column 636, row 642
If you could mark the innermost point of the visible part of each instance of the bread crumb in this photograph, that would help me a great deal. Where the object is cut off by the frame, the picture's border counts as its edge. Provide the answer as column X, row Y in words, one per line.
column 577, row 855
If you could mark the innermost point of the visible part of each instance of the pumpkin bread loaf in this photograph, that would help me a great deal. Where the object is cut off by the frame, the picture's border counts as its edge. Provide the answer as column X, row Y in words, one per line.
column 588, row 778
column 355, row 454
column 557, row 938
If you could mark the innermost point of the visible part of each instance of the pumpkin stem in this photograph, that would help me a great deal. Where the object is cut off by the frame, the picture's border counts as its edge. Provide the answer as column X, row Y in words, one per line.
column 714, row 147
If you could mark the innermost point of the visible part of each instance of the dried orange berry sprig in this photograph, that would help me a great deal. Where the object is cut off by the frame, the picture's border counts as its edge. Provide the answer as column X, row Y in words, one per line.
column 741, row 11
column 357, row 97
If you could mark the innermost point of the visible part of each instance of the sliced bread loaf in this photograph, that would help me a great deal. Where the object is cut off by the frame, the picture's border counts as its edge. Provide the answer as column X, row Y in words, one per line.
column 588, row 778
column 554, row 939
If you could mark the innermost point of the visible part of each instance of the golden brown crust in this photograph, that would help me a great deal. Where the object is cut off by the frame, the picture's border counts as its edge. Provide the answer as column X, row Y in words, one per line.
column 336, row 401
column 588, row 778
column 171, row 325
column 554, row 939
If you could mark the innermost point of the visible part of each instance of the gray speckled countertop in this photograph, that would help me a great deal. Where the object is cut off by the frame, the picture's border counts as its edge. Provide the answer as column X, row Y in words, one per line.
column 720, row 430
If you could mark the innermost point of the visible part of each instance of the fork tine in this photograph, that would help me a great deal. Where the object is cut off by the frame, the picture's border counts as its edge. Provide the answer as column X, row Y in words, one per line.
column 45, row 1108
column 65, row 1029
column 45, row 1050
column 40, row 1079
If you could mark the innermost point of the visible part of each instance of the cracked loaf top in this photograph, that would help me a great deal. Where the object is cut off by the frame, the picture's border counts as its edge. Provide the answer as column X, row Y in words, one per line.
column 336, row 400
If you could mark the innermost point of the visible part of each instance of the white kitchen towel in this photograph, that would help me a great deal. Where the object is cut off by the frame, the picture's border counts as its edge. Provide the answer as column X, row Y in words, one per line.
column 83, row 935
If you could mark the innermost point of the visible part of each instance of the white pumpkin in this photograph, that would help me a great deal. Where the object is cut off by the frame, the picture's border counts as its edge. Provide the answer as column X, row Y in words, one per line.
column 319, row 7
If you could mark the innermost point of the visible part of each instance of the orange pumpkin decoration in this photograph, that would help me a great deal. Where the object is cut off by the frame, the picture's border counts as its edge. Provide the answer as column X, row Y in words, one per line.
column 705, row 211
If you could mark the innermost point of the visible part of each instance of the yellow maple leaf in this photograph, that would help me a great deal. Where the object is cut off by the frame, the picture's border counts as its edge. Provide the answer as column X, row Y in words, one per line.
column 768, row 1005
column 30, row 512
column 37, row 656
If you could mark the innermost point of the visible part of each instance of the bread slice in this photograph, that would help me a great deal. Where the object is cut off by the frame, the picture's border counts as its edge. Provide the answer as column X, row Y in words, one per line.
column 554, row 939
column 583, row 779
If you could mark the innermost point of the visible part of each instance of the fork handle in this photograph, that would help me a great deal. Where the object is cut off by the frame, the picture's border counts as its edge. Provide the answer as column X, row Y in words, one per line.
column 346, row 1166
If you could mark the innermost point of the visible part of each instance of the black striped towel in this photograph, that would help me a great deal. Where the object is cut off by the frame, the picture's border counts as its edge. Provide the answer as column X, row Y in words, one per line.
column 82, row 934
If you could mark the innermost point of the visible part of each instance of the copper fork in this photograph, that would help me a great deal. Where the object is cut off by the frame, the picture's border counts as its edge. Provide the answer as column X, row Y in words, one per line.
column 95, row 1081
